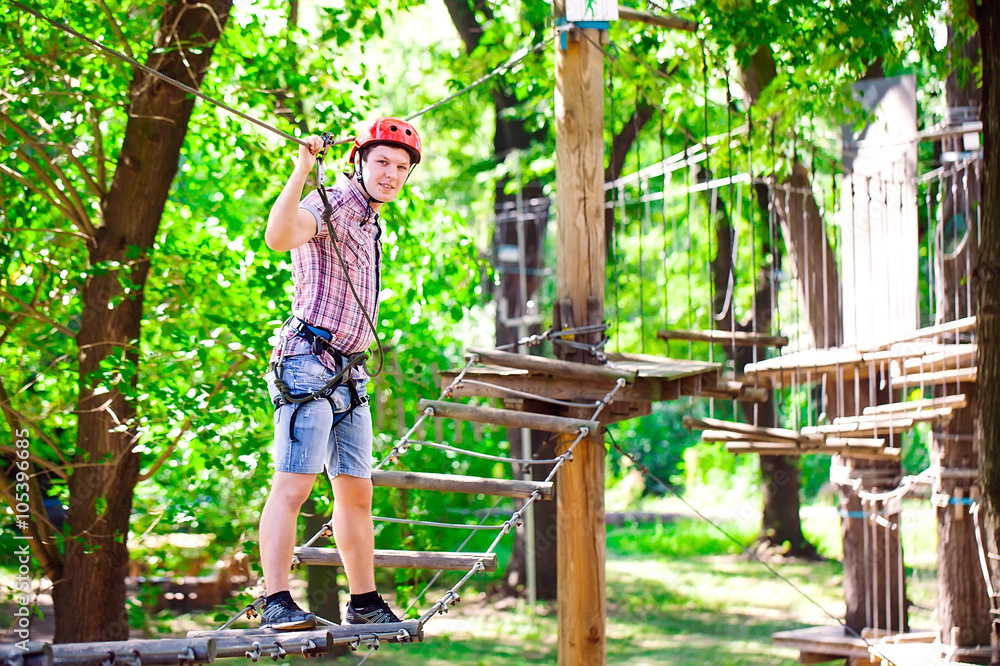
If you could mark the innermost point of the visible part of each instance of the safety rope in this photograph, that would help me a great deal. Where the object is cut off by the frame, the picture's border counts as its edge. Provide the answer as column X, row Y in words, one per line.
column 557, row 336
column 518, row 57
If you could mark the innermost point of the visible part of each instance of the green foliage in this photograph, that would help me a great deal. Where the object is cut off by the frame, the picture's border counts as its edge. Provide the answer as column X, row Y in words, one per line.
column 215, row 294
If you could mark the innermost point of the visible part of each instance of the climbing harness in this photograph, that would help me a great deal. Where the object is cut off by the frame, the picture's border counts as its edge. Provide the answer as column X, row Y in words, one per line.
column 319, row 342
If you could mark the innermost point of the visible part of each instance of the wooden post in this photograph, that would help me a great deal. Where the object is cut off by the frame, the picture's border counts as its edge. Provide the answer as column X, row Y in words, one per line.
column 580, row 277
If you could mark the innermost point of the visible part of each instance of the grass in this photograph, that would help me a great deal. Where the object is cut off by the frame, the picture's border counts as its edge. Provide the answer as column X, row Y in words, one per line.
column 678, row 593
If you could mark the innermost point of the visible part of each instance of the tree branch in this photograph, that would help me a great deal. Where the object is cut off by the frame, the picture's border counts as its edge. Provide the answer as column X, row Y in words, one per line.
column 39, row 537
column 102, row 172
column 35, row 314
column 39, row 191
column 115, row 28
column 14, row 416
column 49, row 559
column 76, row 202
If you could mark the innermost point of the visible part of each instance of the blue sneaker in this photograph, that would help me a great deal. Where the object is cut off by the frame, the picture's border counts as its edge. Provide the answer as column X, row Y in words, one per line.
column 374, row 614
column 285, row 615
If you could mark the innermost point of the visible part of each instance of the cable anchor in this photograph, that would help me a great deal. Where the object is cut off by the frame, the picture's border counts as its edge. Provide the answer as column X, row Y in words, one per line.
column 187, row 657
column 253, row 654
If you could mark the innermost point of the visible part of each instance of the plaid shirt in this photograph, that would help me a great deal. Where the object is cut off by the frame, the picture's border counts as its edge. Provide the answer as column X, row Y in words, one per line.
column 322, row 296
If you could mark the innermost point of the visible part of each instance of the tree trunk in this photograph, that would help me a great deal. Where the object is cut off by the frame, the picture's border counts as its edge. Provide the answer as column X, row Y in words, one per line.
column 90, row 598
column 987, row 280
column 963, row 602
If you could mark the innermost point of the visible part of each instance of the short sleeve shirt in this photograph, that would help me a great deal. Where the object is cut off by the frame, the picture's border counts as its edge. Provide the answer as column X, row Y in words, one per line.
column 322, row 296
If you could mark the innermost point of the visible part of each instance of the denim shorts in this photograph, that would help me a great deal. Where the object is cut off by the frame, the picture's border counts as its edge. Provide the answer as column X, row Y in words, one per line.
column 344, row 449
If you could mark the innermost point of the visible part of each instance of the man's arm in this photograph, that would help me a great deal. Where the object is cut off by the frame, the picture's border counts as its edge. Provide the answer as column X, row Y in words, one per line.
column 287, row 226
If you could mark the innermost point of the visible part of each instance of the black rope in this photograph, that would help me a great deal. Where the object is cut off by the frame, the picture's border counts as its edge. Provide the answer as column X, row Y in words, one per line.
column 335, row 240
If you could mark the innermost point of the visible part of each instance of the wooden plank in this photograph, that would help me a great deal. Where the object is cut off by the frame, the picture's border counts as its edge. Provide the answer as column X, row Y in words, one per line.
column 781, row 434
column 508, row 417
column 150, row 651
column 736, row 390
column 738, row 339
column 730, row 436
column 403, row 559
column 958, row 376
column 661, row 367
column 857, row 442
column 772, row 449
column 917, row 416
column 948, row 358
column 553, row 367
column 815, row 360
column 451, row 483
column 808, row 367
column 312, row 642
column 853, row 429
column 914, row 654
column 953, row 401
column 956, row 326
column 832, row 640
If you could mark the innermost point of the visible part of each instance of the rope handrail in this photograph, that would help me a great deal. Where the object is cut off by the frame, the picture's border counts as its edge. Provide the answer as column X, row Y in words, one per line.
column 476, row 454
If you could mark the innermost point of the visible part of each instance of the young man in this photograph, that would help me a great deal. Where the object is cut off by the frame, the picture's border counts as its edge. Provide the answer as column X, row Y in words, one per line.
column 328, row 324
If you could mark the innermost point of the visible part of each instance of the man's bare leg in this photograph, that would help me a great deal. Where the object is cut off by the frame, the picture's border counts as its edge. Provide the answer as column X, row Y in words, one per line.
column 278, row 526
column 353, row 530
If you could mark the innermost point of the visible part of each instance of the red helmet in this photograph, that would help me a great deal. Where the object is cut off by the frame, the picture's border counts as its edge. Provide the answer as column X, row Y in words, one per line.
column 392, row 132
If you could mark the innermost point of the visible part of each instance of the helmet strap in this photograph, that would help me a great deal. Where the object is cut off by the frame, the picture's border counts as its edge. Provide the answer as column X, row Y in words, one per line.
column 359, row 175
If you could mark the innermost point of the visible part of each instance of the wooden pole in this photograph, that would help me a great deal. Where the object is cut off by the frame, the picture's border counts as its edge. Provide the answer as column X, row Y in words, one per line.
column 580, row 277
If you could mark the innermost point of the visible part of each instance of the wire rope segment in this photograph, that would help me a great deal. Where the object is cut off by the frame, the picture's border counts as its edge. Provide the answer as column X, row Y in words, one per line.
column 746, row 551
column 517, row 58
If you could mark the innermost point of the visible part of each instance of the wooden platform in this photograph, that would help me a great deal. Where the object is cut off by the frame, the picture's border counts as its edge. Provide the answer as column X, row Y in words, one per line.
column 915, row 654
column 817, row 645
column 649, row 379
column 308, row 643
column 727, row 338
column 824, row 641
